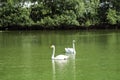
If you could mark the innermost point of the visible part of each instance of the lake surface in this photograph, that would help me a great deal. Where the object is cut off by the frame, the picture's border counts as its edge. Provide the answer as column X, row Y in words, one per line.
column 26, row 55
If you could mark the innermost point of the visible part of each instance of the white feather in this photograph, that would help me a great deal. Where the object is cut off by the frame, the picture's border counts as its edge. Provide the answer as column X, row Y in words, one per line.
column 71, row 50
column 59, row 57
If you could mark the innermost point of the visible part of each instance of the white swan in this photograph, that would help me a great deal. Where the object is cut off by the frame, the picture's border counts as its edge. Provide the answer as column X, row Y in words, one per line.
column 71, row 50
column 59, row 57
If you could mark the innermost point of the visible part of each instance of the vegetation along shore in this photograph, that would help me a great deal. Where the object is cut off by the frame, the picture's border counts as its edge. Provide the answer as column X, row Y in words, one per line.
column 58, row 14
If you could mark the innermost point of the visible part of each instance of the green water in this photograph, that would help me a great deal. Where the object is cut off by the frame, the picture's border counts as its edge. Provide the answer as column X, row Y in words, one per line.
column 26, row 55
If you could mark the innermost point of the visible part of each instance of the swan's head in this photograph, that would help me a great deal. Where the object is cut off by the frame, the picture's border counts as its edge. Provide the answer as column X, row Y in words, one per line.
column 52, row 46
column 73, row 41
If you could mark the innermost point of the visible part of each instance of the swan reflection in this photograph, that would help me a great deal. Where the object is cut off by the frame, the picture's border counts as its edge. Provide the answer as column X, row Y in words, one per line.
column 64, row 69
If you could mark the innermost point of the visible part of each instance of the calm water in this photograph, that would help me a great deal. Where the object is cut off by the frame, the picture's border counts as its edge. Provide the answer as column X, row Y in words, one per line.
column 26, row 55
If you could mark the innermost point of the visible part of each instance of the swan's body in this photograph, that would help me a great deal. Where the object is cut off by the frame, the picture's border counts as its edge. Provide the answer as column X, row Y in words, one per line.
column 59, row 57
column 71, row 50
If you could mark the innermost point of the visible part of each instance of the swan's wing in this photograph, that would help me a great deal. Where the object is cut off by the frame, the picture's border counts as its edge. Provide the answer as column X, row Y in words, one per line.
column 69, row 50
column 63, row 57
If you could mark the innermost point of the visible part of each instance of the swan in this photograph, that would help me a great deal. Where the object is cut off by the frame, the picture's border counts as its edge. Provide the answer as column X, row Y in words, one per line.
column 71, row 50
column 59, row 57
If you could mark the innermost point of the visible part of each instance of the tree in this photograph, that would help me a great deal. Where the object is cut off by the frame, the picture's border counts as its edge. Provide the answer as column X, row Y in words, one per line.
column 116, row 4
column 37, row 12
column 112, row 16
column 11, row 15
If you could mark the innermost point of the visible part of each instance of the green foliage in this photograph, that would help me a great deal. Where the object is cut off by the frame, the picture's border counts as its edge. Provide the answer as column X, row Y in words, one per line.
column 118, row 17
column 38, row 12
column 11, row 15
column 116, row 4
column 88, row 23
column 66, row 20
column 47, row 22
column 58, row 13
column 112, row 16
column 61, row 20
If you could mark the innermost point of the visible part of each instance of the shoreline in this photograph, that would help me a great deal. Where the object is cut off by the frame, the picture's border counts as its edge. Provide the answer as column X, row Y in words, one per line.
column 37, row 27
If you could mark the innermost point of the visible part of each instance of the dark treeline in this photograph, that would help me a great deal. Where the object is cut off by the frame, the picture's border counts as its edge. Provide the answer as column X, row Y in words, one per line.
column 59, row 14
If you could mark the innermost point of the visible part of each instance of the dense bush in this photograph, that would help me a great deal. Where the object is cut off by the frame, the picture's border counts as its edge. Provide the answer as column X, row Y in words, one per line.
column 57, row 13
column 112, row 16
column 11, row 15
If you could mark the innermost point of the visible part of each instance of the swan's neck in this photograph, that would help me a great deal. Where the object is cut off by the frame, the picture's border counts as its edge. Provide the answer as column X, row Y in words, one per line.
column 74, row 46
column 53, row 53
